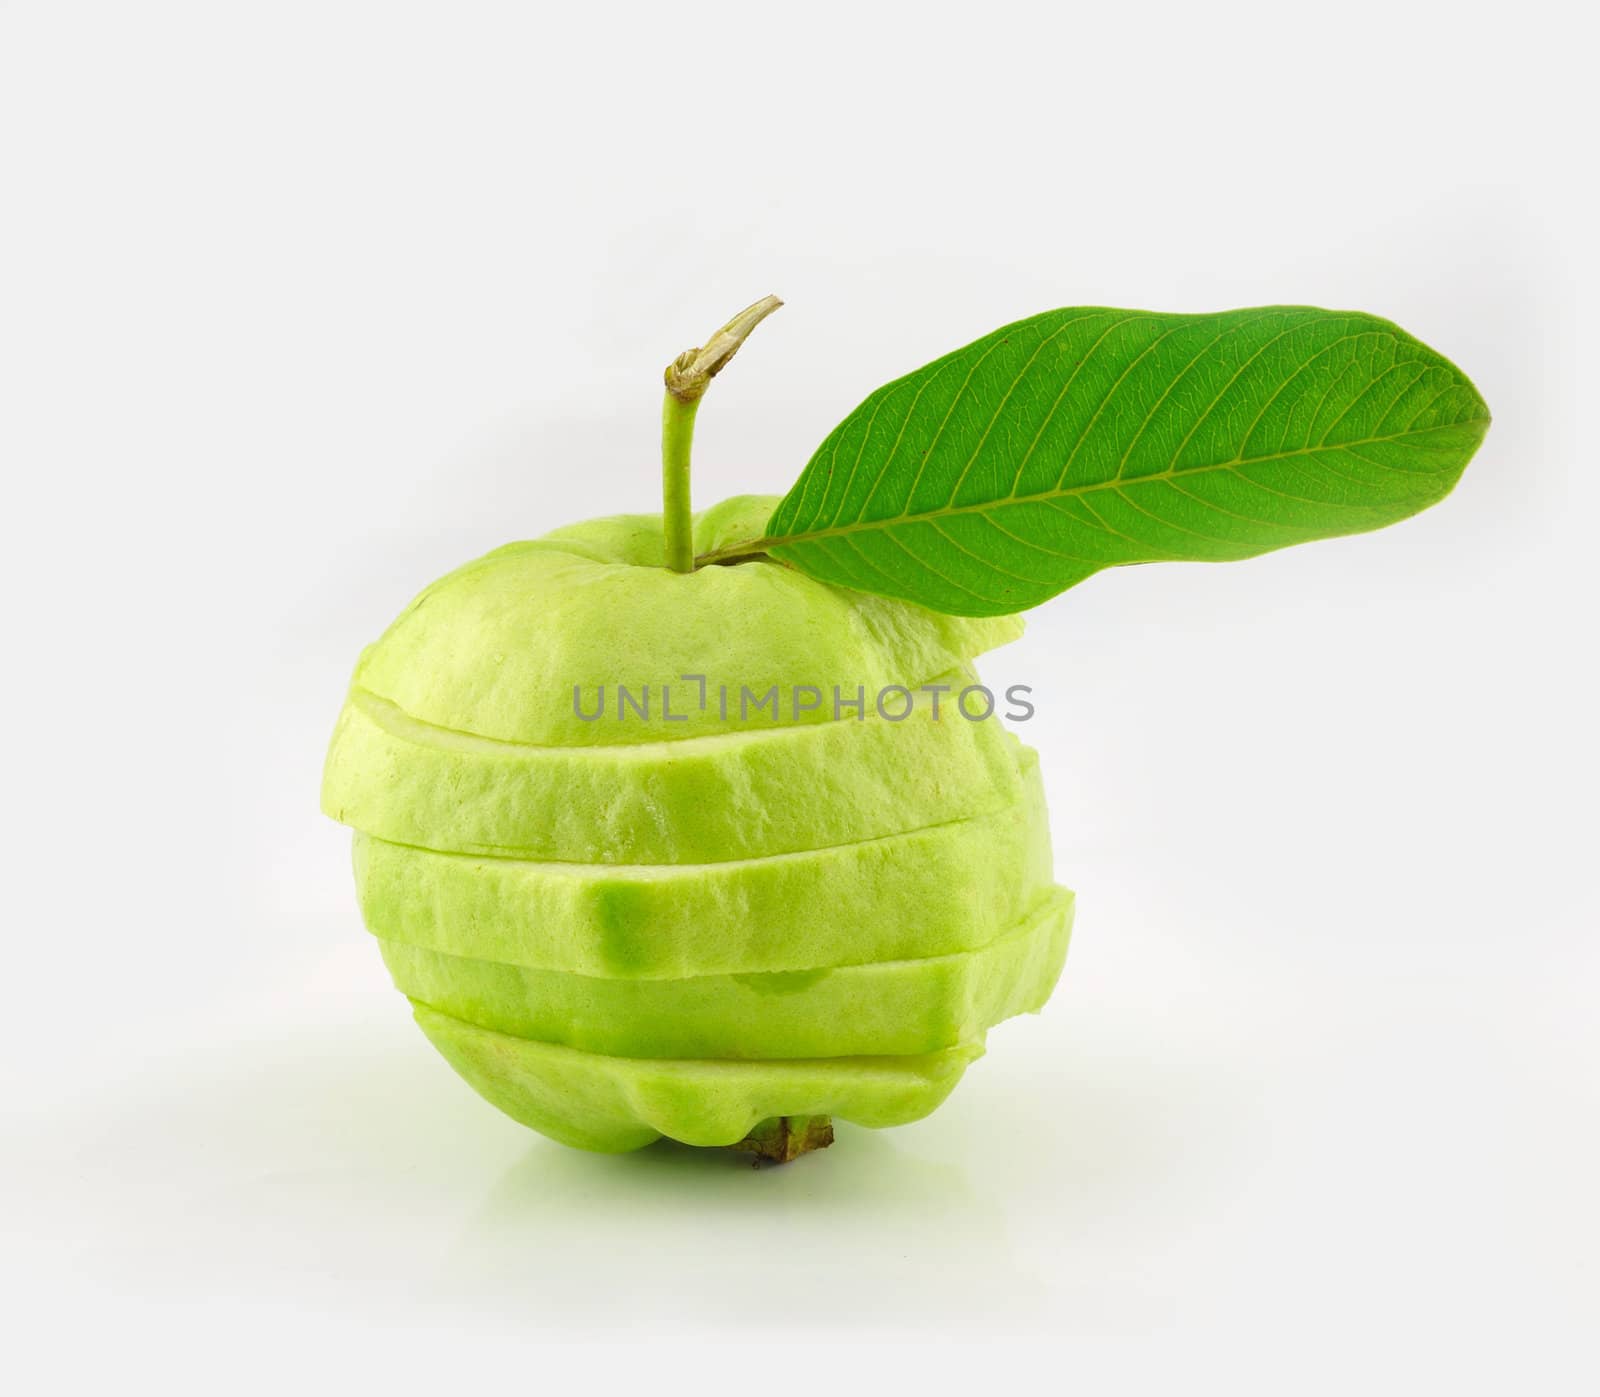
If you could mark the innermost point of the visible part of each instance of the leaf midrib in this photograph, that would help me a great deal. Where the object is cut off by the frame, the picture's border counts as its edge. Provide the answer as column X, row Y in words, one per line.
column 1117, row 482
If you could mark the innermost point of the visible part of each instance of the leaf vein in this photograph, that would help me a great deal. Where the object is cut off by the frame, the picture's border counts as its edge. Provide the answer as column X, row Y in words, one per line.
column 1072, row 378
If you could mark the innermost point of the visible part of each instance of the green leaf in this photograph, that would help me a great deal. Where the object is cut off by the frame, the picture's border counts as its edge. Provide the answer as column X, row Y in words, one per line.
column 1081, row 439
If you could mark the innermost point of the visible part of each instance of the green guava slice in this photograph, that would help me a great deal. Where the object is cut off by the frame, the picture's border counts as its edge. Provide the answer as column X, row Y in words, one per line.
column 497, row 647
column 898, row 1007
column 928, row 892
column 612, row 1104
column 738, row 795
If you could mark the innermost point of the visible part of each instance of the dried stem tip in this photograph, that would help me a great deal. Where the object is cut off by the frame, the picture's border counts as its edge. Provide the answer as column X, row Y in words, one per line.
column 688, row 374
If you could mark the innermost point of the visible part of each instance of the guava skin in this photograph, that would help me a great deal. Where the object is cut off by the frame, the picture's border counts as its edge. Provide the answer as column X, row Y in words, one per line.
column 706, row 929
column 472, row 654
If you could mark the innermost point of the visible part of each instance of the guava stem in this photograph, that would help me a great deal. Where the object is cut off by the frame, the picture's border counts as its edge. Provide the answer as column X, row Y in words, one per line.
column 677, row 515
column 687, row 378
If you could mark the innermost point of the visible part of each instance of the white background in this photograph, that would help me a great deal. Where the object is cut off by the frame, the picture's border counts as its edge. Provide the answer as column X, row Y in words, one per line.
column 303, row 304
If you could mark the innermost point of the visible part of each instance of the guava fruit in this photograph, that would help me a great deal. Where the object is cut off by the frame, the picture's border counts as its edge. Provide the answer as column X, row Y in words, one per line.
column 623, row 904
column 615, row 934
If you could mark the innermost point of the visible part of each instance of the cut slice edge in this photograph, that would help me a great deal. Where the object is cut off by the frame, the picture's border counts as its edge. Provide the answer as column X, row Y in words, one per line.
column 611, row 1104
column 703, row 800
column 940, row 890
column 422, row 732
column 1027, row 759
column 899, row 1007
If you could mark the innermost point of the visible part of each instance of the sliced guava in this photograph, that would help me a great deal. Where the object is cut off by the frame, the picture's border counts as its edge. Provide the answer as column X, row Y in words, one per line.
column 737, row 795
column 928, row 892
column 612, row 1104
column 889, row 1007
column 497, row 647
